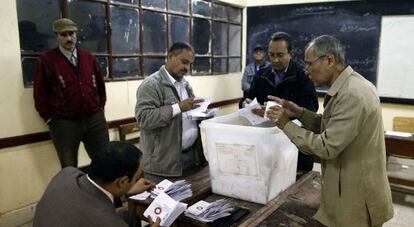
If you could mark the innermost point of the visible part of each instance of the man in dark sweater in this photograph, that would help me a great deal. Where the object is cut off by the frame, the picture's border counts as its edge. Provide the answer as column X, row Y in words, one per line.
column 69, row 94
column 285, row 78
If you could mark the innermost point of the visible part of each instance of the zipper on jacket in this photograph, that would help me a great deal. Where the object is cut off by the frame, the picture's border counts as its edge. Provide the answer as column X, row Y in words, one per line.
column 339, row 183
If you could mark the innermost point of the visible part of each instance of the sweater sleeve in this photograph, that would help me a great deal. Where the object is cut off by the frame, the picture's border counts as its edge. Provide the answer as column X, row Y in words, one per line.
column 41, row 89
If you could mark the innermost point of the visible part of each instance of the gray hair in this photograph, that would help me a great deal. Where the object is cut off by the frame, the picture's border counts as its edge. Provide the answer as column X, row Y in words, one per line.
column 327, row 44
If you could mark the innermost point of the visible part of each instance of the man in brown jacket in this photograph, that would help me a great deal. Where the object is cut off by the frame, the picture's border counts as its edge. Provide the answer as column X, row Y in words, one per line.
column 348, row 137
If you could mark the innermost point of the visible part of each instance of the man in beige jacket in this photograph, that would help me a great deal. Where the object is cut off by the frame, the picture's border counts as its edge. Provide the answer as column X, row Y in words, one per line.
column 348, row 137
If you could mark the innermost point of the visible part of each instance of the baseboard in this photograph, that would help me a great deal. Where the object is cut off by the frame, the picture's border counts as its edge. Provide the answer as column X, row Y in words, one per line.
column 18, row 217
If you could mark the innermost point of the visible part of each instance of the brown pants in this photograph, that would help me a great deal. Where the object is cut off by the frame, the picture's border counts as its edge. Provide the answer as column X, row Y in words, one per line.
column 67, row 135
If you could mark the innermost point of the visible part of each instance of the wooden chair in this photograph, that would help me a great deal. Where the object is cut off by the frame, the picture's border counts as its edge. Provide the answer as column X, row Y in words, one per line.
column 403, row 124
column 129, row 133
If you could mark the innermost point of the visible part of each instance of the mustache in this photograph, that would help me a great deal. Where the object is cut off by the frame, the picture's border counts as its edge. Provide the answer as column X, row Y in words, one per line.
column 69, row 42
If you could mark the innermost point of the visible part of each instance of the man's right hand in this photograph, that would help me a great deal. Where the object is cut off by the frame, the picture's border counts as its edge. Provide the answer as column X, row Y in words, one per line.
column 292, row 110
column 189, row 104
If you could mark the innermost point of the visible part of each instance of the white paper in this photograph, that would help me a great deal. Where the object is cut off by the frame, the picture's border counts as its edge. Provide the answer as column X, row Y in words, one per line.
column 205, row 114
column 202, row 108
column 165, row 208
column 268, row 105
column 198, row 207
column 247, row 113
column 141, row 196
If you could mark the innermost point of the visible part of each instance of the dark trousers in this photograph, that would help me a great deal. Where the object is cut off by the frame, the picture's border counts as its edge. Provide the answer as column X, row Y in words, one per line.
column 67, row 135
column 305, row 163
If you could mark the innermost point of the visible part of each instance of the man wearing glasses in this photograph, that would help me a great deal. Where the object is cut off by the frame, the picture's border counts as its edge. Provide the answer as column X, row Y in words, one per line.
column 285, row 78
column 348, row 137
column 69, row 94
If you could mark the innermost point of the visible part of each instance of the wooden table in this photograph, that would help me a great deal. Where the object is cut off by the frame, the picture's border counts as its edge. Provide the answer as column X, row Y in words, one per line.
column 295, row 206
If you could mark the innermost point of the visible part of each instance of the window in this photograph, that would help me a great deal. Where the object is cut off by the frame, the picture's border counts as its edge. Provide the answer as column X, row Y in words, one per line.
column 130, row 38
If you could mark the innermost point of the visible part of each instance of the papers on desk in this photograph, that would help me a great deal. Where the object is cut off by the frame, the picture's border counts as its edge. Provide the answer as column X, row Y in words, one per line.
column 247, row 113
column 178, row 190
column 209, row 212
column 166, row 208
column 142, row 196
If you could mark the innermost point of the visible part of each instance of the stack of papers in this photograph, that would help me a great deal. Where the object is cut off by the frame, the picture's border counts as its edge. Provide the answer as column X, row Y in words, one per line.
column 178, row 190
column 166, row 208
column 209, row 212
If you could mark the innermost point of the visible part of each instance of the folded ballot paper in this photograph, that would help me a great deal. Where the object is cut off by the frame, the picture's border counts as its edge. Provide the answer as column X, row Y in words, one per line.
column 166, row 208
column 209, row 212
column 247, row 113
column 178, row 190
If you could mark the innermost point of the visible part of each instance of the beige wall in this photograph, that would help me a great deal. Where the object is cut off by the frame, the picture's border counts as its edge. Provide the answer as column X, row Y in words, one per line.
column 26, row 170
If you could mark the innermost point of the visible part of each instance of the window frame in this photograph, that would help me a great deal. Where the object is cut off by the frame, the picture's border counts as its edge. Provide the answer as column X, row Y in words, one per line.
column 111, row 57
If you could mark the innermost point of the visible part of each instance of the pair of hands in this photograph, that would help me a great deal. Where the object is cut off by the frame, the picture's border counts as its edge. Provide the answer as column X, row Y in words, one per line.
column 145, row 185
column 280, row 115
column 189, row 104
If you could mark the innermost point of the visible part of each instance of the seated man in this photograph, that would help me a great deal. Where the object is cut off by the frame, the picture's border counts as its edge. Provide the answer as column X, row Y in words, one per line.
column 74, row 198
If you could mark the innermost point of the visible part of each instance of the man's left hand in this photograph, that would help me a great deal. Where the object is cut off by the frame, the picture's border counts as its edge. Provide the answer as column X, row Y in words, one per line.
column 140, row 186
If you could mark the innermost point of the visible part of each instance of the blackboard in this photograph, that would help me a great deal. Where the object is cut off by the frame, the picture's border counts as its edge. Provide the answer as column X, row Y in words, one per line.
column 356, row 23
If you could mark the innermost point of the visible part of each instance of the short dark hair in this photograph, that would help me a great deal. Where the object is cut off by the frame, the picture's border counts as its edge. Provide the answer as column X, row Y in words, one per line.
column 176, row 48
column 283, row 36
column 120, row 159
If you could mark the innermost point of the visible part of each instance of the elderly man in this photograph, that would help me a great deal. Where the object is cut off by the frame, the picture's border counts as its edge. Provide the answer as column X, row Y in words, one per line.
column 74, row 198
column 69, row 94
column 348, row 137
column 169, row 137
column 285, row 78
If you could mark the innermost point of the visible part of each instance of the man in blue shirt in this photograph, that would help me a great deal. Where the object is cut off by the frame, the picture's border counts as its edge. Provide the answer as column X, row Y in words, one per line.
column 285, row 78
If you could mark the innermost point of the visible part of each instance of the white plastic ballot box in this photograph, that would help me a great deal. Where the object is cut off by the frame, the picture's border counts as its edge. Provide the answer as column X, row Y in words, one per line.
column 253, row 163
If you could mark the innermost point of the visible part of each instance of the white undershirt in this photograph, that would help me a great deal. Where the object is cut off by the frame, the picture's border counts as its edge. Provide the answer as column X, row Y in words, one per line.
column 110, row 196
column 190, row 131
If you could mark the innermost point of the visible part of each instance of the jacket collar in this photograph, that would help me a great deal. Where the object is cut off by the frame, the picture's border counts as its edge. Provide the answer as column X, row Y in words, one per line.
column 339, row 82
column 167, row 79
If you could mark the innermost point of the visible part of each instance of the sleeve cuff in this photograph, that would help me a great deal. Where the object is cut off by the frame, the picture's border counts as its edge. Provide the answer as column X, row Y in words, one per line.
column 176, row 109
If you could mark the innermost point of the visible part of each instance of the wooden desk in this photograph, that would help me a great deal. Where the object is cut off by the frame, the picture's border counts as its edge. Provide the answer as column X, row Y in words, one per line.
column 295, row 206
column 402, row 148
column 200, row 185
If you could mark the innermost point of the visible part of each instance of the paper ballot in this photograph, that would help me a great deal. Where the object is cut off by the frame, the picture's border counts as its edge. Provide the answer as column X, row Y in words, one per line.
column 209, row 212
column 166, row 208
column 178, row 190
column 247, row 113
column 141, row 196
column 202, row 106
column 268, row 105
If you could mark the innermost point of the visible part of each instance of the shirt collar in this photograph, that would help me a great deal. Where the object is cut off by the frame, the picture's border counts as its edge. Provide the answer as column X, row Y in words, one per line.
column 68, row 54
column 340, row 81
column 110, row 196
column 173, row 81
column 284, row 71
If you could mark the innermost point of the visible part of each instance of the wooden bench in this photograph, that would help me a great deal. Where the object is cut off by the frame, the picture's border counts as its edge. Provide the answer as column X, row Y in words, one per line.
column 129, row 133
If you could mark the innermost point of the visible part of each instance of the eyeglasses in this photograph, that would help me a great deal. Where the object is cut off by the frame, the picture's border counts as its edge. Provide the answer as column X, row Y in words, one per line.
column 309, row 64
column 64, row 34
